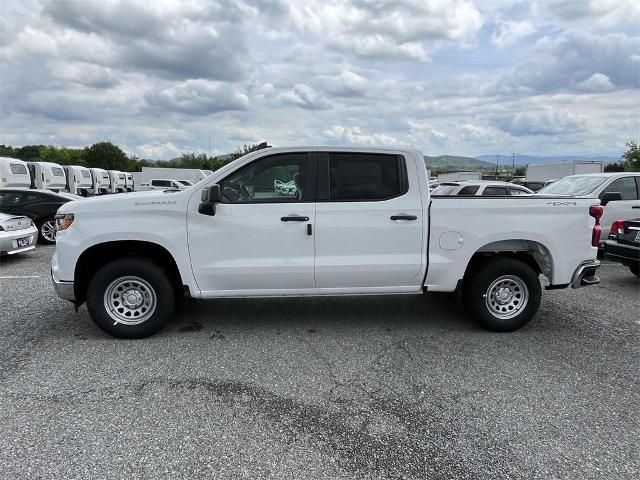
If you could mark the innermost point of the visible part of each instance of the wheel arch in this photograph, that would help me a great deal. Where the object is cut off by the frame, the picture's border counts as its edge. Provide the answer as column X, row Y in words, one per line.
column 98, row 255
column 531, row 252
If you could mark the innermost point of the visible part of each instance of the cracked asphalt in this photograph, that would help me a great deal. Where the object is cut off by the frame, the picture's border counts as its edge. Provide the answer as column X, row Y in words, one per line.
column 365, row 387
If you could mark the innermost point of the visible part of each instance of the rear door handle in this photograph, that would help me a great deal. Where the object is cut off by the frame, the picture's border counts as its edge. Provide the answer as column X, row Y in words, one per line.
column 294, row 218
column 403, row 216
column 636, row 206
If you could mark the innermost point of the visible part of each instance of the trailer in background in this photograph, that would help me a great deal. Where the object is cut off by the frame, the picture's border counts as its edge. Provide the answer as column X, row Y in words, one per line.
column 47, row 175
column 543, row 172
column 459, row 176
column 100, row 180
column 79, row 180
column 14, row 173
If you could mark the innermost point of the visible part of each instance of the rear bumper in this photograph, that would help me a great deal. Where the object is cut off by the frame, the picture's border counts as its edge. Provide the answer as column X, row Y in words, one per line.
column 585, row 274
column 628, row 255
column 9, row 241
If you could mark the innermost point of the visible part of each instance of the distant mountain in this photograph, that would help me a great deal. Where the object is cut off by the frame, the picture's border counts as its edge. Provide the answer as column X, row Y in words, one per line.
column 453, row 163
column 525, row 159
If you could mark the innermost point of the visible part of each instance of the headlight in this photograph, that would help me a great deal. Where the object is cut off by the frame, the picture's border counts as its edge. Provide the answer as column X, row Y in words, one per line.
column 64, row 221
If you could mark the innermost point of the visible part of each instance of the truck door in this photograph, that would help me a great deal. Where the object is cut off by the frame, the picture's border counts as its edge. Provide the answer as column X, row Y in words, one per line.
column 259, row 241
column 369, row 222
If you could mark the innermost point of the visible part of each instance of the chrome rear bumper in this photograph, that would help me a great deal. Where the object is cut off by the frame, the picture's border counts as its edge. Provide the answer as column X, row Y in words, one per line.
column 585, row 274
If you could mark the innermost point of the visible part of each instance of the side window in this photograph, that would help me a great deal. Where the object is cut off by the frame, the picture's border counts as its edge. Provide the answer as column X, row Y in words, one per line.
column 469, row 190
column 517, row 191
column 494, row 191
column 272, row 179
column 18, row 169
column 626, row 186
column 11, row 198
column 161, row 183
column 364, row 176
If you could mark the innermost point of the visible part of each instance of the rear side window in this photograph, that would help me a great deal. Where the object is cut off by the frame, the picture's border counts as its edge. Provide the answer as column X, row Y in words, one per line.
column 85, row 173
column 626, row 186
column 494, row 191
column 57, row 172
column 364, row 176
column 517, row 191
column 18, row 169
column 161, row 183
column 469, row 190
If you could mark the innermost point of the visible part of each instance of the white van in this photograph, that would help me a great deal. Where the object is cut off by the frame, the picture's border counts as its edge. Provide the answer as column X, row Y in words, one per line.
column 14, row 173
column 101, row 182
column 166, row 184
column 79, row 179
column 117, row 180
column 47, row 175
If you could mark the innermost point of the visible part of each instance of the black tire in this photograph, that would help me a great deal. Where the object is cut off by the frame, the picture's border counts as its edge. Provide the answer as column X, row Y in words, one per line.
column 519, row 280
column 141, row 272
column 44, row 228
column 635, row 269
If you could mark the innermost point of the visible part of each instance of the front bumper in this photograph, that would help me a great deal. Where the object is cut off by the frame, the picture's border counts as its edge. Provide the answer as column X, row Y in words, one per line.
column 64, row 288
column 9, row 240
column 585, row 274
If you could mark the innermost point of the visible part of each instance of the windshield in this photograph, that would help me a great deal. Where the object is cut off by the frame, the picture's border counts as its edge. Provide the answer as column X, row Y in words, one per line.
column 185, row 182
column 573, row 186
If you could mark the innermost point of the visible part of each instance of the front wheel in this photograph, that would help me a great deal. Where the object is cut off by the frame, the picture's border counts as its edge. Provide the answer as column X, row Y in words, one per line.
column 635, row 269
column 47, row 231
column 502, row 294
column 130, row 298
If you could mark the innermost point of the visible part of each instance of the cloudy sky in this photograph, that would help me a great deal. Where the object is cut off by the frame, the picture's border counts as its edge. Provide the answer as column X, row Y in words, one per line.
column 460, row 77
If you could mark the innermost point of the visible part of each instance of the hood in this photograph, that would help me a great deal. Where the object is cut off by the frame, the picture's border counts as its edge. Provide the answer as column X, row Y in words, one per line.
column 124, row 201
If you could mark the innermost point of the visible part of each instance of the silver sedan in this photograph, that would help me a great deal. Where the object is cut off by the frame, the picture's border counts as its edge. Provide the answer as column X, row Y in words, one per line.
column 17, row 234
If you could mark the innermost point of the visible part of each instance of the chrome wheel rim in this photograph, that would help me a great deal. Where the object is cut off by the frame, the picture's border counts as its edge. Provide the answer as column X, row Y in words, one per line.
column 506, row 297
column 130, row 300
column 48, row 230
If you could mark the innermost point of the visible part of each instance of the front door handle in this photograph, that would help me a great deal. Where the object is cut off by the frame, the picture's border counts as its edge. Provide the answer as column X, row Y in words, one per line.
column 294, row 218
column 403, row 216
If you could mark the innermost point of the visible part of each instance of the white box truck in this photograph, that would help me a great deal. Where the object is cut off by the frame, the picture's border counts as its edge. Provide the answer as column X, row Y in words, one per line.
column 543, row 172
column 14, row 173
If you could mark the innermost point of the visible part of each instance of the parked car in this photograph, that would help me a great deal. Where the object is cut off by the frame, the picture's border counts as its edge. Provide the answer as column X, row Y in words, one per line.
column 618, row 194
column 485, row 188
column 623, row 244
column 362, row 224
column 17, row 234
column 39, row 205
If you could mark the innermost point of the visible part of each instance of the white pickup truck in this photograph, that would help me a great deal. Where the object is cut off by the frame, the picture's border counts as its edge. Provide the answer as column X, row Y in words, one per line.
column 362, row 222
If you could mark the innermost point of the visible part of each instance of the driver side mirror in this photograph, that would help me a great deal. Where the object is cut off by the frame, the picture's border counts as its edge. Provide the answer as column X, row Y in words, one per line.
column 610, row 197
column 209, row 197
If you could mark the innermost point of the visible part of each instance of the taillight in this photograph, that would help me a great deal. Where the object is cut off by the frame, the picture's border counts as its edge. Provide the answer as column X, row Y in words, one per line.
column 616, row 228
column 596, row 212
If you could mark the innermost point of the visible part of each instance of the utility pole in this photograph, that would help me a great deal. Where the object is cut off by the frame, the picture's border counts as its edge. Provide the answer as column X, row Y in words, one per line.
column 209, row 146
column 513, row 164
column 497, row 164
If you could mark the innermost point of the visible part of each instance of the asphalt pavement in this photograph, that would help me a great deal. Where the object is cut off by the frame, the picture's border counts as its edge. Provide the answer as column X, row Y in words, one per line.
column 364, row 387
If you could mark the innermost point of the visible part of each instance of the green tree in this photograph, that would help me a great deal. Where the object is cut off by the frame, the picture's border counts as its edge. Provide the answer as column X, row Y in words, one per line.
column 244, row 149
column 631, row 158
column 29, row 152
column 614, row 167
column 8, row 151
column 106, row 155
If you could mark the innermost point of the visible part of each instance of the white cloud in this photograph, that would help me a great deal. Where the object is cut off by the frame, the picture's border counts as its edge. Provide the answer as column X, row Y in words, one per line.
column 354, row 135
column 597, row 82
column 509, row 32
column 199, row 97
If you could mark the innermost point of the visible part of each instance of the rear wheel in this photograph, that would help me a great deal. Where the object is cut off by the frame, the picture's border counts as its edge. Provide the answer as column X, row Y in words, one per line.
column 635, row 269
column 47, row 231
column 501, row 294
column 130, row 298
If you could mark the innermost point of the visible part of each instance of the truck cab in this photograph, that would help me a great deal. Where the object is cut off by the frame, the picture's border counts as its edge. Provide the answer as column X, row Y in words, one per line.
column 14, row 173
column 47, row 175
